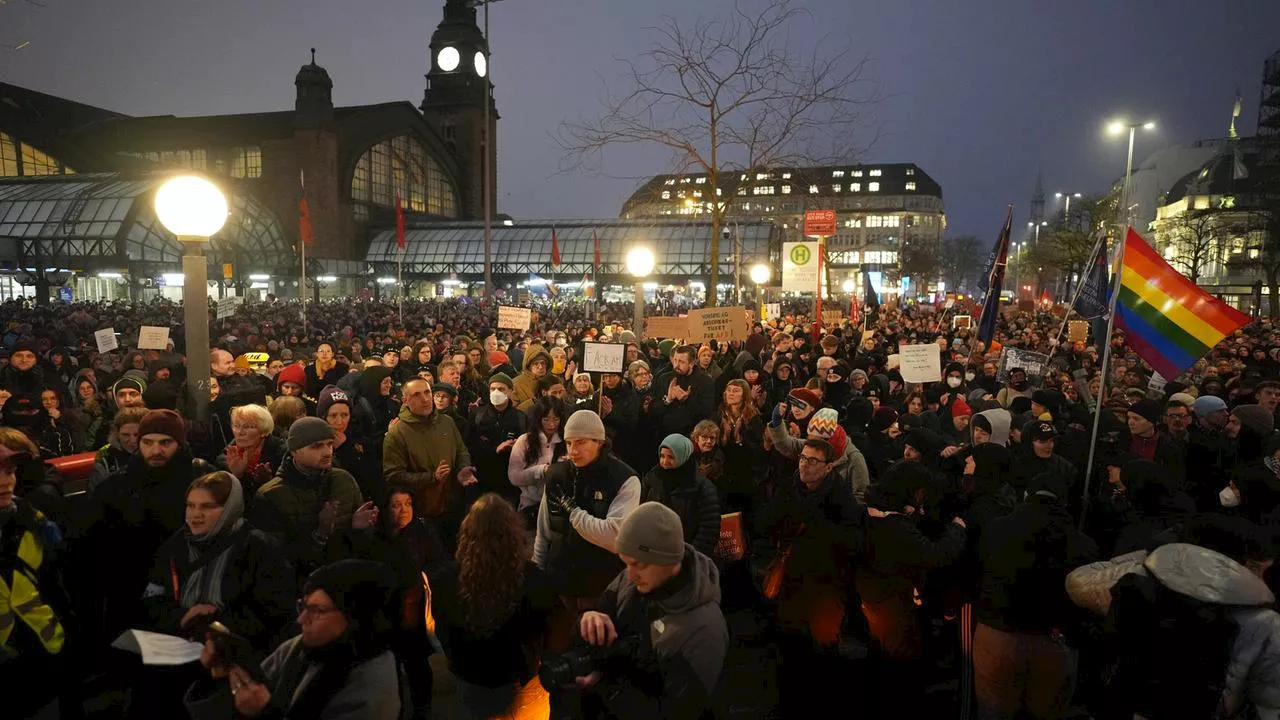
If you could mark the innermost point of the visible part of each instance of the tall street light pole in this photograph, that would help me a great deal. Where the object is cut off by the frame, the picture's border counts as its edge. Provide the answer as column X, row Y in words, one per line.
column 1066, row 211
column 488, row 154
column 1116, row 128
column 640, row 263
column 194, row 209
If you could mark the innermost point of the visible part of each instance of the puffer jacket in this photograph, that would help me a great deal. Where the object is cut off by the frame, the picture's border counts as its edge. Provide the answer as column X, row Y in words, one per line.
column 524, row 387
column 1253, row 668
column 411, row 451
column 288, row 508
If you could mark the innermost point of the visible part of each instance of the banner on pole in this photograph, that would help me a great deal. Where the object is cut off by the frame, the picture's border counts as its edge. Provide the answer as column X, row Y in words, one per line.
column 1034, row 364
column 514, row 318
column 723, row 324
column 800, row 266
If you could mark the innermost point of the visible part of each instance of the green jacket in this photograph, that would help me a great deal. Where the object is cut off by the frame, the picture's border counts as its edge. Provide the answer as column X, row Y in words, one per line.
column 288, row 507
column 414, row 447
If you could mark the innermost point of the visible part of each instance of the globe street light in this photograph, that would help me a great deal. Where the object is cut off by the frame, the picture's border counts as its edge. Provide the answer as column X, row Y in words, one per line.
column 760, row 274
column 639, row 263
column 194, row 209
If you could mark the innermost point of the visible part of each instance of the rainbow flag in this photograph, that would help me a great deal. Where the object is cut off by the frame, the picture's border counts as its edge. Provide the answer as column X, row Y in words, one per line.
column 1168, row 320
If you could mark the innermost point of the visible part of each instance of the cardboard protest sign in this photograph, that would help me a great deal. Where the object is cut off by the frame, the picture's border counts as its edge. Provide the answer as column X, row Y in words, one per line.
column 666, row 327
column 920, row 363
column 514, row 318
column 723, row 324
column 153, row 338
column 962, row 322
column 1078, row 331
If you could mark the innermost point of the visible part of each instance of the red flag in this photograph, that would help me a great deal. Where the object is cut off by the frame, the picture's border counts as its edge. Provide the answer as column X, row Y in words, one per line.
column 595, row 241
column 399, row 224
column 304, row 212
column 555, row 247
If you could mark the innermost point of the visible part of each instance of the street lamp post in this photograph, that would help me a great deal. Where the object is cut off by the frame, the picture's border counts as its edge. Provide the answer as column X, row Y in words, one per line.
column 760, row 275
column 639, row 263
column 194, row 209
column 1117, row 127
column 1066, row 211
column 488, row 154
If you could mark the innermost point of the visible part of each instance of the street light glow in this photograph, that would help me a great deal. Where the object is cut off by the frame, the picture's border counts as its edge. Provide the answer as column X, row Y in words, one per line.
column 1149, row 125
column 760, row 274
column 1116, row 127
column 847, row 285
column 640, row 261
column 191, row 206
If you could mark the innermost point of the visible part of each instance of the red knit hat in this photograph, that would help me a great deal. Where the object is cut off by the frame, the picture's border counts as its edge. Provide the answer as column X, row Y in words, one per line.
column 292, row 373
column 838, row 441
column 806, row 396
column 960, row 408
column 163, row 422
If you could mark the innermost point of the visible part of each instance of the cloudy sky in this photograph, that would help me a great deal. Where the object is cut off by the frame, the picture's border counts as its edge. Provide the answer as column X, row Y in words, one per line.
column 980, row 93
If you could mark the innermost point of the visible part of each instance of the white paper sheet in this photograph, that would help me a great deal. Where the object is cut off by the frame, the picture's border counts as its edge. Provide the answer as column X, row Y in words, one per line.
column 158, row 648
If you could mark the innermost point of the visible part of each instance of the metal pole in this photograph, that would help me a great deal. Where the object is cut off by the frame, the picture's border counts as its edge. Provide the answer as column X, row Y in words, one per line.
column 737, row 265
column 195, row 313
column 638, row 321
column 400, row 285
column 302, row 287
column 488, row 171
column 1128, row 176
column 1088, row 268
column 1106, row 370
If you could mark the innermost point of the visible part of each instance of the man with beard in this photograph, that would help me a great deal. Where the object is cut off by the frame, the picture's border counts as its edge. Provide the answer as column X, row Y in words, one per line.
column 139, row 508
column 23, row 375
column 689, row 394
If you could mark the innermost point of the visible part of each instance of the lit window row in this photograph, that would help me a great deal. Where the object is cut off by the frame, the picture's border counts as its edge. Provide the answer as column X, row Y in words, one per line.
column 402, row 166
column 19, row 159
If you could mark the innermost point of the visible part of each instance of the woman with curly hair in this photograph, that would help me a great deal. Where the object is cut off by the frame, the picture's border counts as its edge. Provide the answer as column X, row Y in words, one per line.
column 494, row 613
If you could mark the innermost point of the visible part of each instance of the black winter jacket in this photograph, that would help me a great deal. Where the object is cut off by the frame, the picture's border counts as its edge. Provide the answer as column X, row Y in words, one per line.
column 692, row 497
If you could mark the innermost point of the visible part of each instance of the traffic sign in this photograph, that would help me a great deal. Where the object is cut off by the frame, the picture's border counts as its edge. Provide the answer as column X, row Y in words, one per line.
column 820, row 222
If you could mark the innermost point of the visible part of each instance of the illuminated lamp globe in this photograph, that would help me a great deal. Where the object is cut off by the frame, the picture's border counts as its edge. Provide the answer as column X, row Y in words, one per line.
column 760, row 274
column 191, row 206
column 848, row 285
column 640, row 261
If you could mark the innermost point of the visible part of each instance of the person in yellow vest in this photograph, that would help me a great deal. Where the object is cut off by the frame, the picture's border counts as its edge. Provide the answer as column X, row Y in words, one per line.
column 32, row 604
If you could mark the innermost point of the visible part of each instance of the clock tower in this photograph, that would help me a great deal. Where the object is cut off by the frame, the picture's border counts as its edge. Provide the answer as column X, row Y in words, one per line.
column 458, row 89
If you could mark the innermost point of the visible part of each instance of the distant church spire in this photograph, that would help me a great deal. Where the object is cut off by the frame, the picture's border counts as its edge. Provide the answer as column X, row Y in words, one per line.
column 1037, row 199
column 1235, row 113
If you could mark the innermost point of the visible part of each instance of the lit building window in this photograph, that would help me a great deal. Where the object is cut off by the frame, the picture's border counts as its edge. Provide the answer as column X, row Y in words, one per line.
column 836, row 187
column 857, row 173
column 786, row 189
column 684, row 181
column 697, row 193
column 402, row 166
column 762, row 176
column 875, row 173
column 786, row 176
column 666, row 194
column 680, row 193
column 873, row 187
column 718, row 192
column 19, row 159
column 853, row 223
column 246, row 162
column 670, row 181
column 813, row 189
column 837, row 173
column 911, row 171
column 700, row 181
column 855, row 187
column 911, row 186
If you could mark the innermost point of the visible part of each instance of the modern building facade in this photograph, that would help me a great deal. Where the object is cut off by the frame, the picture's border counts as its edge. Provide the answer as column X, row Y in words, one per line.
column 880, row 208
column 76, row 181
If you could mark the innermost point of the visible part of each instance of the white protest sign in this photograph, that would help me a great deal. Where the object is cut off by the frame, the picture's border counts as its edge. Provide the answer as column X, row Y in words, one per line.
column 920, row 363
column 949, row 303
column 514, row 318
column 772, row 311
column 106, row 338
column 800, row 266
column 1157, row 382
column 603, row 357
column 153, row 338
column 227, row 306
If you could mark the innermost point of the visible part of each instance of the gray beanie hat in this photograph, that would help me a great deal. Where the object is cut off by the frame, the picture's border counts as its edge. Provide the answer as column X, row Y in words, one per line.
column 1256, row 418
column 308, row 430
column 584, row 424
column 652, row 533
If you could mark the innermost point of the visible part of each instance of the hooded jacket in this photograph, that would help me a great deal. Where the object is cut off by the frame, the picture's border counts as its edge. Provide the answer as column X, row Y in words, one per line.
column 1000, row 420
column 1253, row 667
column 414, row 447
column 524, row 387
column 692, row 496
column 682, row 638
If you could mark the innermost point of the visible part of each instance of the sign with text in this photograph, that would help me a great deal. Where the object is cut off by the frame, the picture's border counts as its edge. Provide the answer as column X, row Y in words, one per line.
column 106, row 338
column 832, row 317
column 962, row 322
column 513, row 318
column 1157, row 382
column 920, row 363
column 666, row 327
column 1034, row 364
column 1078, row 331
column 723, row 324
column 820, row 222
column 800, row 266
column 153, row 338
column 227, row 306
column 772, row 311
column 603, row 357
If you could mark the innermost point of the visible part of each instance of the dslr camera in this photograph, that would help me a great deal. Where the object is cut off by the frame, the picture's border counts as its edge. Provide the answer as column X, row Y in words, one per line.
column 561, row 670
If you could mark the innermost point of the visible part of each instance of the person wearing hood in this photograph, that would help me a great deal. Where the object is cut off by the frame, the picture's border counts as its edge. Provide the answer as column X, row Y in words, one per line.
column 676, row 483
column 1197, row 630
column 1017, row 386
column 88, row 401
column 374, row 405
column 308, row 499
column 339, row 668
column 1023, row 663
column 425, row 451
column 27, row 413
column 492, row 433
column 666, row 584
column 23, row 374
column 620, row 411
column 882, row 438
column 781, row 381
column 535, row 366
column 991, row 426
column 1250, row 428
column 734, row 371
column 137, row 510
column 836, row 390
column 292, row 381
column 217, row 567
column 849, row 463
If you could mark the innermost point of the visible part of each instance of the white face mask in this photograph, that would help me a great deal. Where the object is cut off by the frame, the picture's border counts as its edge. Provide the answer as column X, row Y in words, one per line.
column 953, row 382
column 497, row 397
column 561, row 342
column 1229, row 497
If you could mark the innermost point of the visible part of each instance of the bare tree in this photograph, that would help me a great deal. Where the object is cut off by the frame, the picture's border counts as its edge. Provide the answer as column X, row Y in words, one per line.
column 962, row 259
column 1197, row 237
column 729, row 98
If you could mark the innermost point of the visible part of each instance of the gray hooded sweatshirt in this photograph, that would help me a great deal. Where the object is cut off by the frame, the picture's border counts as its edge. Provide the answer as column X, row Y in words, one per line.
column 1000, row 420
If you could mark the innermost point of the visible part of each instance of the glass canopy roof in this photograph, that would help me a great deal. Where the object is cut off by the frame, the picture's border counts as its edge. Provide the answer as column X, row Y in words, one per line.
column 680, row 247
column 104, row 220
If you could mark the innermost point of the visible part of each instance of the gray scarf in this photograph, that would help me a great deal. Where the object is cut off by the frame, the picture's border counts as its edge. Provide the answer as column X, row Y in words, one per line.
column 212, row 552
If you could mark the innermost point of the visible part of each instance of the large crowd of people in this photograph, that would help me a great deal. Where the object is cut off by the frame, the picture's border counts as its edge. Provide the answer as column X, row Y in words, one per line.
column 393, row 483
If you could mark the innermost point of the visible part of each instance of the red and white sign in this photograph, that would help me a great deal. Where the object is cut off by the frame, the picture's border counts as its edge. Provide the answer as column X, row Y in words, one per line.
column 820, row 222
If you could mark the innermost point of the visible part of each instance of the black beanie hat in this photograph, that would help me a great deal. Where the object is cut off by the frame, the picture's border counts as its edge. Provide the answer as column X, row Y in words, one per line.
column 364, row 591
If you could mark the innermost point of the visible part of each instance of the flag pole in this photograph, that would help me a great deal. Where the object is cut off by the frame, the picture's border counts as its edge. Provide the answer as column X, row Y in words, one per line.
column 1088, row 268
column 400, row 285
column 302, row 287
column 1106, row 370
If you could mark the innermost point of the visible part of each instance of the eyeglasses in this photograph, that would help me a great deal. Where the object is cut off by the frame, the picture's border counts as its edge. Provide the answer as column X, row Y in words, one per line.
column 315, row 610
column 809, row 460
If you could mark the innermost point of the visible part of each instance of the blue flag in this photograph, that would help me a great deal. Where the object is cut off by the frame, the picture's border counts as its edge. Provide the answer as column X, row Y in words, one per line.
column 1092, row 302
column 995, row 282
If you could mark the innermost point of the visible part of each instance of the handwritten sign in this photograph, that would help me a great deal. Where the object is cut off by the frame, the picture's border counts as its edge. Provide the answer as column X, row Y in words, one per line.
column 920, row 363
column 1157, row 382
column 106, row 338
column 772, row 311
column 227, row 306
column 1078, row 331
column 723, row 324
column 514, row 318
column 666, row 327
column 961, row 322
column 153, row 338
column 603, row 357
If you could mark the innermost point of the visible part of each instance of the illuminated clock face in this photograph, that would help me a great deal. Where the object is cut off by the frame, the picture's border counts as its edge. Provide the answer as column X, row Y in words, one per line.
column 482, row 64
column 448, row 59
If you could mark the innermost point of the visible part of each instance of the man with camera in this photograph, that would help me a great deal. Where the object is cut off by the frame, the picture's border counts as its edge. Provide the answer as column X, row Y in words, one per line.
column 658, row 640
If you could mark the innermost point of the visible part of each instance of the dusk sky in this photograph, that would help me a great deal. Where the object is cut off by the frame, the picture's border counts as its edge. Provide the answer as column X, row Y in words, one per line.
column 981, row 93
